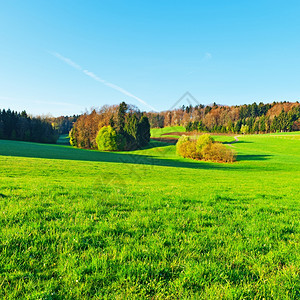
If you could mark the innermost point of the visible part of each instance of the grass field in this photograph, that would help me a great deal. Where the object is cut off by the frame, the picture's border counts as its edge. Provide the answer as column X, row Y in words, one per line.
column 63, row 140
column 168, row 132
column 160, row 132
column 80, row 224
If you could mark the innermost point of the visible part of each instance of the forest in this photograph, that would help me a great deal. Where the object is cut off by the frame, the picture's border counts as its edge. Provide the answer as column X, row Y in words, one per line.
column 121, row 127
column 22, row 127
column 125, row 120
column 251, row 118
column 63, row 124
column 131, row 127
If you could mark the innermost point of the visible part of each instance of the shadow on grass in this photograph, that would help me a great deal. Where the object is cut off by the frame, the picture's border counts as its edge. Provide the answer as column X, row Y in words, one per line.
column 155, row 144
column 47, row 151
column 252, row 157
column 63, row 140
column 237, row 142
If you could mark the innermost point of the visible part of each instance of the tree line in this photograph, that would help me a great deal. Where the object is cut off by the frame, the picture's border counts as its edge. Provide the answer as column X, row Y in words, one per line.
column 252, row 118
column 22, row 127
column 132, row 127
column 63, row 124
column 121, row 127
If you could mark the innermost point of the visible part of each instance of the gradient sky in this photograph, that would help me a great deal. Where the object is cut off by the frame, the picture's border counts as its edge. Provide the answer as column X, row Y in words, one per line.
column 62, row 57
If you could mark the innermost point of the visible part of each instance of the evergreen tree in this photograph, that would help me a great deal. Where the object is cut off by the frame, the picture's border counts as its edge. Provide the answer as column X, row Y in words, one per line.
column 262, row 124
column 143, row 132
column 238, row 126
column 111, row 122
column 256, row 126
column 18, row 126
column 121, row 117
column 130, row 131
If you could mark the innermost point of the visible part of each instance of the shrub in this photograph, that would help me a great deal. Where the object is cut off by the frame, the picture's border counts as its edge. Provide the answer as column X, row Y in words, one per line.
column 108, row 140
column 204, row 140
column 73, row 138
column 190, row 150
column 182, row 140
column 186, row 147
column 204, row 148
column 218, row 153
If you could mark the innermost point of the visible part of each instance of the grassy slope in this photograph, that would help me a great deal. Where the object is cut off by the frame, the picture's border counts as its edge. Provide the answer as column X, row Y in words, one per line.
column 83, row 224
column 162, row 132
column 159, row 132
column 63, row 140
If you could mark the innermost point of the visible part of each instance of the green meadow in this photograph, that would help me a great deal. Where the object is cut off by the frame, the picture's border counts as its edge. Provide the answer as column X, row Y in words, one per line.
column 147, row 224
column 159, row 132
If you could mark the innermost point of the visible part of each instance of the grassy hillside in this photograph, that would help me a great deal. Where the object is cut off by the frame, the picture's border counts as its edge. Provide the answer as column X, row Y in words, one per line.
column 63, row 140
column 80, row 224
column 159, row 132
column 168, row 132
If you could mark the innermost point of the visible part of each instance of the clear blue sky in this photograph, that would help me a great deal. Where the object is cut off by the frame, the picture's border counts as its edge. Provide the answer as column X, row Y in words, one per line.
column 61, row 57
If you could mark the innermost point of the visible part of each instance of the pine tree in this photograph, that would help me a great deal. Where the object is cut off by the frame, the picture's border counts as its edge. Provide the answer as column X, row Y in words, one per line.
column 143, row 132
column 130, row 131
column 121, row 117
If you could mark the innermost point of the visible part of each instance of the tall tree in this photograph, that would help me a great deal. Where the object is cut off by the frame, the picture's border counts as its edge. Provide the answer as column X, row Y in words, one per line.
column 143, row 132
column 121, row 117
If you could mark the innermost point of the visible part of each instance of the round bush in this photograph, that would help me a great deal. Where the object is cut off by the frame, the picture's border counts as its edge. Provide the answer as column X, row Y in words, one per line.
column 186, row 147
column 204, row 140
column 108, row 140
column 204, row 148
column 218, row 153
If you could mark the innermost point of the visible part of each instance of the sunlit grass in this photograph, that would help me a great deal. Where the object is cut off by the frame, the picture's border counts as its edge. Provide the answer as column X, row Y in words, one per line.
column 79, row 224
column 159, row 132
